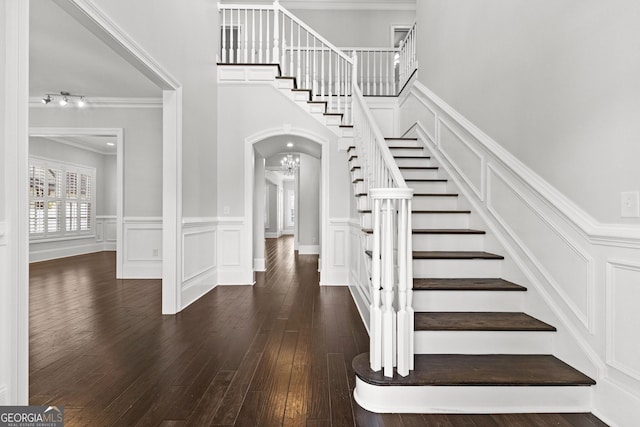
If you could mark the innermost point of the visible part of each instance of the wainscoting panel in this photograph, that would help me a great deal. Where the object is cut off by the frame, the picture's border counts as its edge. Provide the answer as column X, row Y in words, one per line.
column 142, row 248
column 235, row 266
column 358, row 276
column 467, row 160
column 623, row 317
column 335, row 268
column 106, row 231
column 567, row 267
column 199, row 258
column 385, row 112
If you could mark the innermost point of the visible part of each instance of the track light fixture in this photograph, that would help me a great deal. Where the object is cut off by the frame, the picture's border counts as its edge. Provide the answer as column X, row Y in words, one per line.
column 64, row 99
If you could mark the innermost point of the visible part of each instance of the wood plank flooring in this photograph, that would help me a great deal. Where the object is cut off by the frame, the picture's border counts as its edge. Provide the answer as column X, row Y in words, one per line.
column 277, row 353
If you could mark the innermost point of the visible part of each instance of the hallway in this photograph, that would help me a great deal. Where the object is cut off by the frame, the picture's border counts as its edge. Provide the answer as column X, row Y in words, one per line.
column 278, row 353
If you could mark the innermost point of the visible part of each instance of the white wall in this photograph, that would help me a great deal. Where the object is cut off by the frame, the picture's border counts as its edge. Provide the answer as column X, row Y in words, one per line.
column 2, row 109
column 183, row 40
column 555, row 83
column 355, row 28
column 309, row 215
column 142, row 149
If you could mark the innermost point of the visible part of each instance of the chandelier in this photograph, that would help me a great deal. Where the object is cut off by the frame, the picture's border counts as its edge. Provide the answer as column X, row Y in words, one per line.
column 289, row 165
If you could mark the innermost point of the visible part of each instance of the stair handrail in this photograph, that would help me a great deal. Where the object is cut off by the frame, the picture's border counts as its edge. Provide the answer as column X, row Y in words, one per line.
column 383, row 172
column 391, row 325
column 408, row 56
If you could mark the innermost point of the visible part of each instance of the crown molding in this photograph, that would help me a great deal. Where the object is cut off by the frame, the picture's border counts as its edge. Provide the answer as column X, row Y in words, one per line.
column 104, row 102
column 348, row 5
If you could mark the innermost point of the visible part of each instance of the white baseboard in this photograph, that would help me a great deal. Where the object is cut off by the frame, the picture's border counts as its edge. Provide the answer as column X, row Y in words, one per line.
column 197, row 287
column 259, row 264
column 235, row 277
column 273, row 235
column 142, row 269
column 309, row 249
column 56, row 253
column 3, row 395
column 288, row 232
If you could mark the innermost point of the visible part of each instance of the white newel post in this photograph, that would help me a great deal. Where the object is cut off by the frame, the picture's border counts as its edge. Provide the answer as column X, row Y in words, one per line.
column 391, row 326
column 276, row 37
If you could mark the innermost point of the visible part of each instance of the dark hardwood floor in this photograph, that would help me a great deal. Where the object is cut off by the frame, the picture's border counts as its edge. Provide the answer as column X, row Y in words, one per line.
column 277, row 353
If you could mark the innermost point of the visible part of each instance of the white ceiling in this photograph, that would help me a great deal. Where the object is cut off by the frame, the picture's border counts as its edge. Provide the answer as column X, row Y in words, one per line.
column 277, row 146
column 95, row 143
column 342, row 4
column 65, row 56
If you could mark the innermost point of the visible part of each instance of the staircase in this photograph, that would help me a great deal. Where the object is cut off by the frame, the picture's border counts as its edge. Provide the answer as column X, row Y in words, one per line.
column 475, row 349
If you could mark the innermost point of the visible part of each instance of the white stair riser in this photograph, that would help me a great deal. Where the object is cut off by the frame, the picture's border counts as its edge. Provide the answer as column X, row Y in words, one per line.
column 457, row 268
column 407, row 152
column 418, row 162
column 439, row 220
column 359, row 187
column 332, row 120
column 471, row 399
column 448, row 242
column 428, row 187
column 483, row 342
column 300, row 96
column 362, row 203
column 430, row 220
column 402, row 143
column 316, row 108
column 284, row 84
column 434, row 203
column 347, row 132
column 419, row 173
column 437, row 242
column 510, row 301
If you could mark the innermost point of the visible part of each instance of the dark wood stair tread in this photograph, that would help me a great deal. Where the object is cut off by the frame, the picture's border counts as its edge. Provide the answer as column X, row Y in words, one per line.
column 357, row 180
column 465, row 285
column 478, row 370
column 401, row 139
column 455, row 255
column 412, row 157
column 463, row 255
column 435, row 195
column 406, row 148
column 479, row 321
column 440, row 212
column 437, row 231
column 419, row 167
column 425, row 180
column 346, row 126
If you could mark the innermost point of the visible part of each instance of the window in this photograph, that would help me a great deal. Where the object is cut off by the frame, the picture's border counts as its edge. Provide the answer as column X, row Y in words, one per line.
column 290, row 218
column 61, row 199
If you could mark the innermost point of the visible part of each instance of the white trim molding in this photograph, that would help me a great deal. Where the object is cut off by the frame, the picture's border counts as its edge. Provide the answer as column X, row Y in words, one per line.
column 105, row 102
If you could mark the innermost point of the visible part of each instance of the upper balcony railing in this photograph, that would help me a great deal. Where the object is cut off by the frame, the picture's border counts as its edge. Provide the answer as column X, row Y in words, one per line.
column 385, row 71
column 270, row 34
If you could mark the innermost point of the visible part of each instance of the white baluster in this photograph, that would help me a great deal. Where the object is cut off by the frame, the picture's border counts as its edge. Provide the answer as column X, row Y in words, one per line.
column 403, row 321
column 231, row 49
column 409, row 286
column 260, row 39
column 239, row 41
column 224, row 36
column 330, row 106
column 307, row 84
column 284, row 45
column 246, row 38
column 299, row 74
column 375, row 350
column 253, row 36
column 268, row 52
column 388, row 313
column 322, row 87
